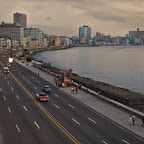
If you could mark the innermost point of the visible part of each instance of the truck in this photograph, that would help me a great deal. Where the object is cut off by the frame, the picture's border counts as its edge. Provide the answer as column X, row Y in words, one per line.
column 5, row 70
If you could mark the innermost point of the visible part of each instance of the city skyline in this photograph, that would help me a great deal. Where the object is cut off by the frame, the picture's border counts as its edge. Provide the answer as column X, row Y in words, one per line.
column 64, row 17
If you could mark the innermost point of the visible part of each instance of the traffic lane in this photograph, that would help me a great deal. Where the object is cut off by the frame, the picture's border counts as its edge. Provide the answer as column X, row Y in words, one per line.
column 48, row 131
column 88, row 119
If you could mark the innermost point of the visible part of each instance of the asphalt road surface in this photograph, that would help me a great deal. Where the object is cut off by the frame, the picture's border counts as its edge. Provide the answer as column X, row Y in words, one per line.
column 25, row 120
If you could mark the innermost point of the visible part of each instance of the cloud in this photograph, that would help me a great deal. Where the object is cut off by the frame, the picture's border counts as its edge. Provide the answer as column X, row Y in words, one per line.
column 48, row 18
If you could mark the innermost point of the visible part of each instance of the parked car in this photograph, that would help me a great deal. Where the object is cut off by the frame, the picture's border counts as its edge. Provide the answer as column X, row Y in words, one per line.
column 42, row 96
column 47, row 88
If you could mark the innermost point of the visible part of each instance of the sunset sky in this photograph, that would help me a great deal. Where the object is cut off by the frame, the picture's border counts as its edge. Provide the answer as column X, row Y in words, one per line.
column 64, row 17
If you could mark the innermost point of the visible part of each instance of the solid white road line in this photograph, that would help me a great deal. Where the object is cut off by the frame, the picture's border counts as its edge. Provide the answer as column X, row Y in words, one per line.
column 25, row 108
column 37, row 125
column 91, row 120
column 8, row 82
column 125, row 141
column 56, row 95
column 76, row 121
column 104, row 142
column 28, row 82
column 56, row 106
column 71, row 106
column 18, row 128
column 9, row 109
column 35, row 87
column 4, row 98
column 17, row 96
column 0, row 89
column 38, row 81
column 12, row 88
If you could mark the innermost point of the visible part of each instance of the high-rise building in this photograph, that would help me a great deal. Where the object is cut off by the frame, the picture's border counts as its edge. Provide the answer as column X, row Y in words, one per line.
column 14, row 31
column 85, row 32
column 21, row 19
column 34, row 33
column 136, row 34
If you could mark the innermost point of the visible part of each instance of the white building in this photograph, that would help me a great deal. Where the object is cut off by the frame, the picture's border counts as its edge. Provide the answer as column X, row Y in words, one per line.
column 14, row 31
column 34, row 33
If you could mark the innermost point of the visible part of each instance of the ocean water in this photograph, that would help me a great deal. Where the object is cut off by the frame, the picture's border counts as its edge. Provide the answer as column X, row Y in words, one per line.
column 121, row 66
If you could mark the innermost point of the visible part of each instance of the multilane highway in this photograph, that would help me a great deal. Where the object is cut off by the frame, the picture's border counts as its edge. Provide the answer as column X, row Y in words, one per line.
column 25, row 120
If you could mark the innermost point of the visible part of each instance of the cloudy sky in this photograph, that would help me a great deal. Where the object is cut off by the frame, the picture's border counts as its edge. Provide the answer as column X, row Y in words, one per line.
column 64, row 17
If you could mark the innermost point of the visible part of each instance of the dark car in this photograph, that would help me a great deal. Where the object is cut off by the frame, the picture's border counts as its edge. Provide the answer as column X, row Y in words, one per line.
column 42, row 96
column 47, row 89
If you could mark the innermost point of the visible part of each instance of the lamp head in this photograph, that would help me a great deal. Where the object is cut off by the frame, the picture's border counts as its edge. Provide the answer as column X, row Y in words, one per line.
column 10, row 59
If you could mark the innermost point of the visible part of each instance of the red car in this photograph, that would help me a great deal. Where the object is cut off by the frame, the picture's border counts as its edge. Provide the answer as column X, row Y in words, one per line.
column 42, row 96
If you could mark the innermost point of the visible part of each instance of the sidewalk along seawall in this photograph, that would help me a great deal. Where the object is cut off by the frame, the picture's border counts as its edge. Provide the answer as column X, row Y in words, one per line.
column 130, row 101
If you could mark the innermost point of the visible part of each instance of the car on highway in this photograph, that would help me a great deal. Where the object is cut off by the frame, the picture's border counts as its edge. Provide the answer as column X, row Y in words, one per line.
column 5, row 70
column 42, row 96
column 8, row 64
column 47, row 88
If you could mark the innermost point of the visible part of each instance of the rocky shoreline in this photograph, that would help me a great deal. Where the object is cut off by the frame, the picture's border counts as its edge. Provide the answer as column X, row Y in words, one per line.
column 132, row 99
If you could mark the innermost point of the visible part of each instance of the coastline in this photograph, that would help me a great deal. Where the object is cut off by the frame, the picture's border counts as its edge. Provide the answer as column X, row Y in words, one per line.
column 132, row 99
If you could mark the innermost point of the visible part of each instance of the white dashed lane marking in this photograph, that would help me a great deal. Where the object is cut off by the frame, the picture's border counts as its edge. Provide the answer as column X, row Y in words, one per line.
column 17, row 96
column 25, row 108
column 9, row 109
column 56, row 95
column 35, row 88
column 0, row 89
column 36, row 125
column 38, row 81
column 12, row 88
column 71, row 106
column 5, row 77
column 76, row 121
column 17, row 128
column 28, row 81
column 8, row 82
column 23, row 77
column 4, row 98
column 125, row 141
column 104, row 142
column 56, row 106
column 92, row 120
column 32, row 77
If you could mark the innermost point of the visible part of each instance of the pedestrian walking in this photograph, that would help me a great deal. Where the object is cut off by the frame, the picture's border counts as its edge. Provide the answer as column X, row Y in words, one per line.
column 56, row 82
column 142, row 121
column 130, row 120
column 87, row 89
column 133, row 119
column 72, row 90
column 76, row 90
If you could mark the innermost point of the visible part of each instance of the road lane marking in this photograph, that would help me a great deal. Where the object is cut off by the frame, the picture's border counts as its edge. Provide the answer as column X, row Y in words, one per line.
column 12, row 88
column 9, row 109
column 17, row 96
column 56, row 106
column 76, row 121
column 4, row 98
column 25, row 108
column 56, row 95
column 28, row 82
column 37, row 125
column 18, row 128
column 8, row 82
column 38, row 81
column 92, row 120
column 46, row 112
column 19, row 73
column 125, row 141
column 5, row 77
column 71, row 106
column 104, row 142
column 0, row 89
column 32, row 77
column 23, row 77
column 27, row 73
column 35, row 87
